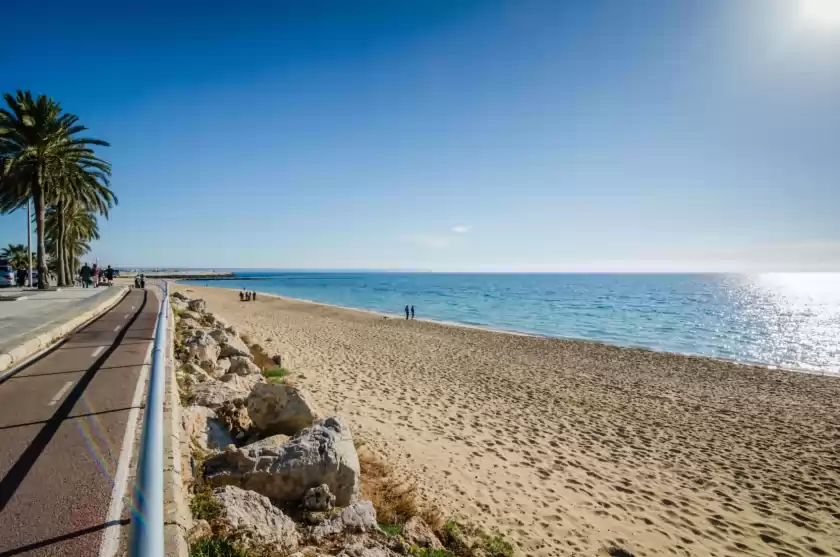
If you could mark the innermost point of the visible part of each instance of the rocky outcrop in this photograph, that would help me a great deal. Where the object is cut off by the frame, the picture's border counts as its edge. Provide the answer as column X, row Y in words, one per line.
column 280, row 408
column 359, row 549
column 234, row 416
column 272, row 444
column 318, row 499
column 203, row 426
column 189, row 324
column 416, row 532
column 190, row 315
column 222, row 367
column 202, row 348
column 230, row 344
column 242, row 365
column 244, row 383
column 322, row 454
column 179, row 296
column 357, row 518
column 199, row 305
column 254, row 522
column 213, row 394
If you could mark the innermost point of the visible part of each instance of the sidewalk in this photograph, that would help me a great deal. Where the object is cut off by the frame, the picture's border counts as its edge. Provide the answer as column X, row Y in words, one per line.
column 28, row 325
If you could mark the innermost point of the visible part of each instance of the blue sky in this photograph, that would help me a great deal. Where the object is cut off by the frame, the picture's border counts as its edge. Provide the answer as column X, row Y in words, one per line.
column 451, row 135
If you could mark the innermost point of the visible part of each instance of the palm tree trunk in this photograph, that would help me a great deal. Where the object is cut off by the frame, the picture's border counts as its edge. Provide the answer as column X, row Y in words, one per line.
column 61, row 248
column 40, row 214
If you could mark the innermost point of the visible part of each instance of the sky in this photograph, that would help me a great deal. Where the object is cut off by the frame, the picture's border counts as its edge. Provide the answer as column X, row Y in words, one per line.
column 451, row 135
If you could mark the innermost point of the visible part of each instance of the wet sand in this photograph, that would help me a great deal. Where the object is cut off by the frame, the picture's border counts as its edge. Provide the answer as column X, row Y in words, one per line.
column 574, row 447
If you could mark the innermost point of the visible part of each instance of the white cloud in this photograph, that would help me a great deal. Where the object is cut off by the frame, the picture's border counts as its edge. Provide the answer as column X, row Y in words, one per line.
column 461, row 229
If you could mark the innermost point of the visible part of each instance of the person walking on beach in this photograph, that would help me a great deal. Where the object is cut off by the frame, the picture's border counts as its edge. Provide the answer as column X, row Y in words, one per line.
column 406, row 313
column 412, row 312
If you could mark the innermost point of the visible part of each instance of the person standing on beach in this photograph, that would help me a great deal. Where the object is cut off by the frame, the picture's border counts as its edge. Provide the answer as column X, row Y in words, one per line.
column 254, row 296
column 412, row 312
column 406, row 313
column 241, row 296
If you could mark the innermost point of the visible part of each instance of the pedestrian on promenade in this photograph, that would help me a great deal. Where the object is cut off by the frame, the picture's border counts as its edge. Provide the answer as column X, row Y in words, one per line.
column 109, row 274
column 84, row 274
column 95, row 275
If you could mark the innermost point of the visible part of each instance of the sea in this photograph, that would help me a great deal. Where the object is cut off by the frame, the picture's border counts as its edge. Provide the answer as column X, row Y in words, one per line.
column 789, row 320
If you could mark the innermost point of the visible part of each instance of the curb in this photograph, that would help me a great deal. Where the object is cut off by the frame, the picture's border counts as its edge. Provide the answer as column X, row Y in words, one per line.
column 177, row 519
column 32, row 346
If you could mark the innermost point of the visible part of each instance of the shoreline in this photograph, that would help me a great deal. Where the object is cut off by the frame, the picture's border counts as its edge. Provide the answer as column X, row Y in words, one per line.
column 566, row 446
column 771, row 367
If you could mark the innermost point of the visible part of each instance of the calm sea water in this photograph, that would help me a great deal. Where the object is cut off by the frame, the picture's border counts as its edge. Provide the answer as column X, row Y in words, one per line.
column 789, row 320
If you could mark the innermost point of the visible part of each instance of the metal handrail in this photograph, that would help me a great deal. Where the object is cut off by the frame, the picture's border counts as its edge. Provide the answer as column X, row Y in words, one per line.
column 147, row 510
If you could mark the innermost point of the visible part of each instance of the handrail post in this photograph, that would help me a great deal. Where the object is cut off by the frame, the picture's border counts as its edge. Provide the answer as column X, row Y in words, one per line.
column 147, row 511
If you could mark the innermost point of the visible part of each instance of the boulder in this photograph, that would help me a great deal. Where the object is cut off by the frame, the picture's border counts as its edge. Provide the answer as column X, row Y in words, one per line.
column 280, row 408
column 254, row 521
column 178, row 305
column 189, row 324
column 203, row 348
column 417, row 532
column 203, row 426
column 178, row 296
column 190, row 315
column 222, row 367
column 242, row 365
column 356, row 518
column 213, row 394
column 201, row 529
column 231, row 345
column 318, row 499
column 271, row 444
column 321, row 454
column 217, row 321
column 199, row 305
column 234, row 416
column 244, row 383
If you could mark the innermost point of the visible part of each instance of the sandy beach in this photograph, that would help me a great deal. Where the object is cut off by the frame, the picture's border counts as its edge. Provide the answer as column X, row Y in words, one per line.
column 571, row 447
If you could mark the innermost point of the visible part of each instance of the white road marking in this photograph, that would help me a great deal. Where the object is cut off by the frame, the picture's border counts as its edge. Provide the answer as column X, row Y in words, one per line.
column 111, row 535
column 117, row 329
column 98, row 351
column 60, row 394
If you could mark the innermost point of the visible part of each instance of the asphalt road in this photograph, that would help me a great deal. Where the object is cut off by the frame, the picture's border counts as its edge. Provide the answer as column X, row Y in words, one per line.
column 62, row 423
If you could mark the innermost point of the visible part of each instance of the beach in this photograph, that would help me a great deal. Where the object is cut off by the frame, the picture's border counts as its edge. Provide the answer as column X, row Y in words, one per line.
column 569, row 447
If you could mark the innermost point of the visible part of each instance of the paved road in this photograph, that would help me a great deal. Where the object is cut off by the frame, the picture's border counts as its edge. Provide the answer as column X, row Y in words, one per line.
column 62, row 424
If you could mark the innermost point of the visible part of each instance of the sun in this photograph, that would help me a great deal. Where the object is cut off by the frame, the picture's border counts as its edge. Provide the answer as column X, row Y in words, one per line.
column 823, row 13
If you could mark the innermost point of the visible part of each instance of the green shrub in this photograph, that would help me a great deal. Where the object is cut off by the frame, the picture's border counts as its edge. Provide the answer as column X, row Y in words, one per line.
column 276, row 374
column 426, row 552
column 205, row 506
column 209, row 547
column 497, row 546
column 392, row 530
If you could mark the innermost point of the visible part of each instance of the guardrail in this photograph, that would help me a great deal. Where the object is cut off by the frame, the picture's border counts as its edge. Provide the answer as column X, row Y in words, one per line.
column 147, row 510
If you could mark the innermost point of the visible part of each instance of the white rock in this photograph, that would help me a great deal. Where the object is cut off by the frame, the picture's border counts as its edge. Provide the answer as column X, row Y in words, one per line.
column 178, row 305
column 244, row 383
column 222, row 367
column 196, row 372
column 357, row 518
column 322, row 454
column 198, row 305
column 269, row 445
column 203, row 426
column 178, row 296
column 190, row 324
column 203, row 348
column 280, row 408
column 213, row 394
column 190, row 315
column 258, row 524
column 242, row 365
column 318, row 498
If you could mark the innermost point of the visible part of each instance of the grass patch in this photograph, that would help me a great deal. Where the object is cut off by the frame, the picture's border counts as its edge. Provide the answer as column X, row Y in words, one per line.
column 204, row 506
column 276, row 374
column 392, row 530
column 210, row 547
column 427, row 552
column 497, row 546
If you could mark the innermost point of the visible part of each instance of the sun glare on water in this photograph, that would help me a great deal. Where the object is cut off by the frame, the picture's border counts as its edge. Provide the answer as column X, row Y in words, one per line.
column 821, row 13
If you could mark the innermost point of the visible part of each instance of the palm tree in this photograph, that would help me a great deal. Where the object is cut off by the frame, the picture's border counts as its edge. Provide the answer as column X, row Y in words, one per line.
column 41, row 158
column 16, row 255
column 70, row 228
